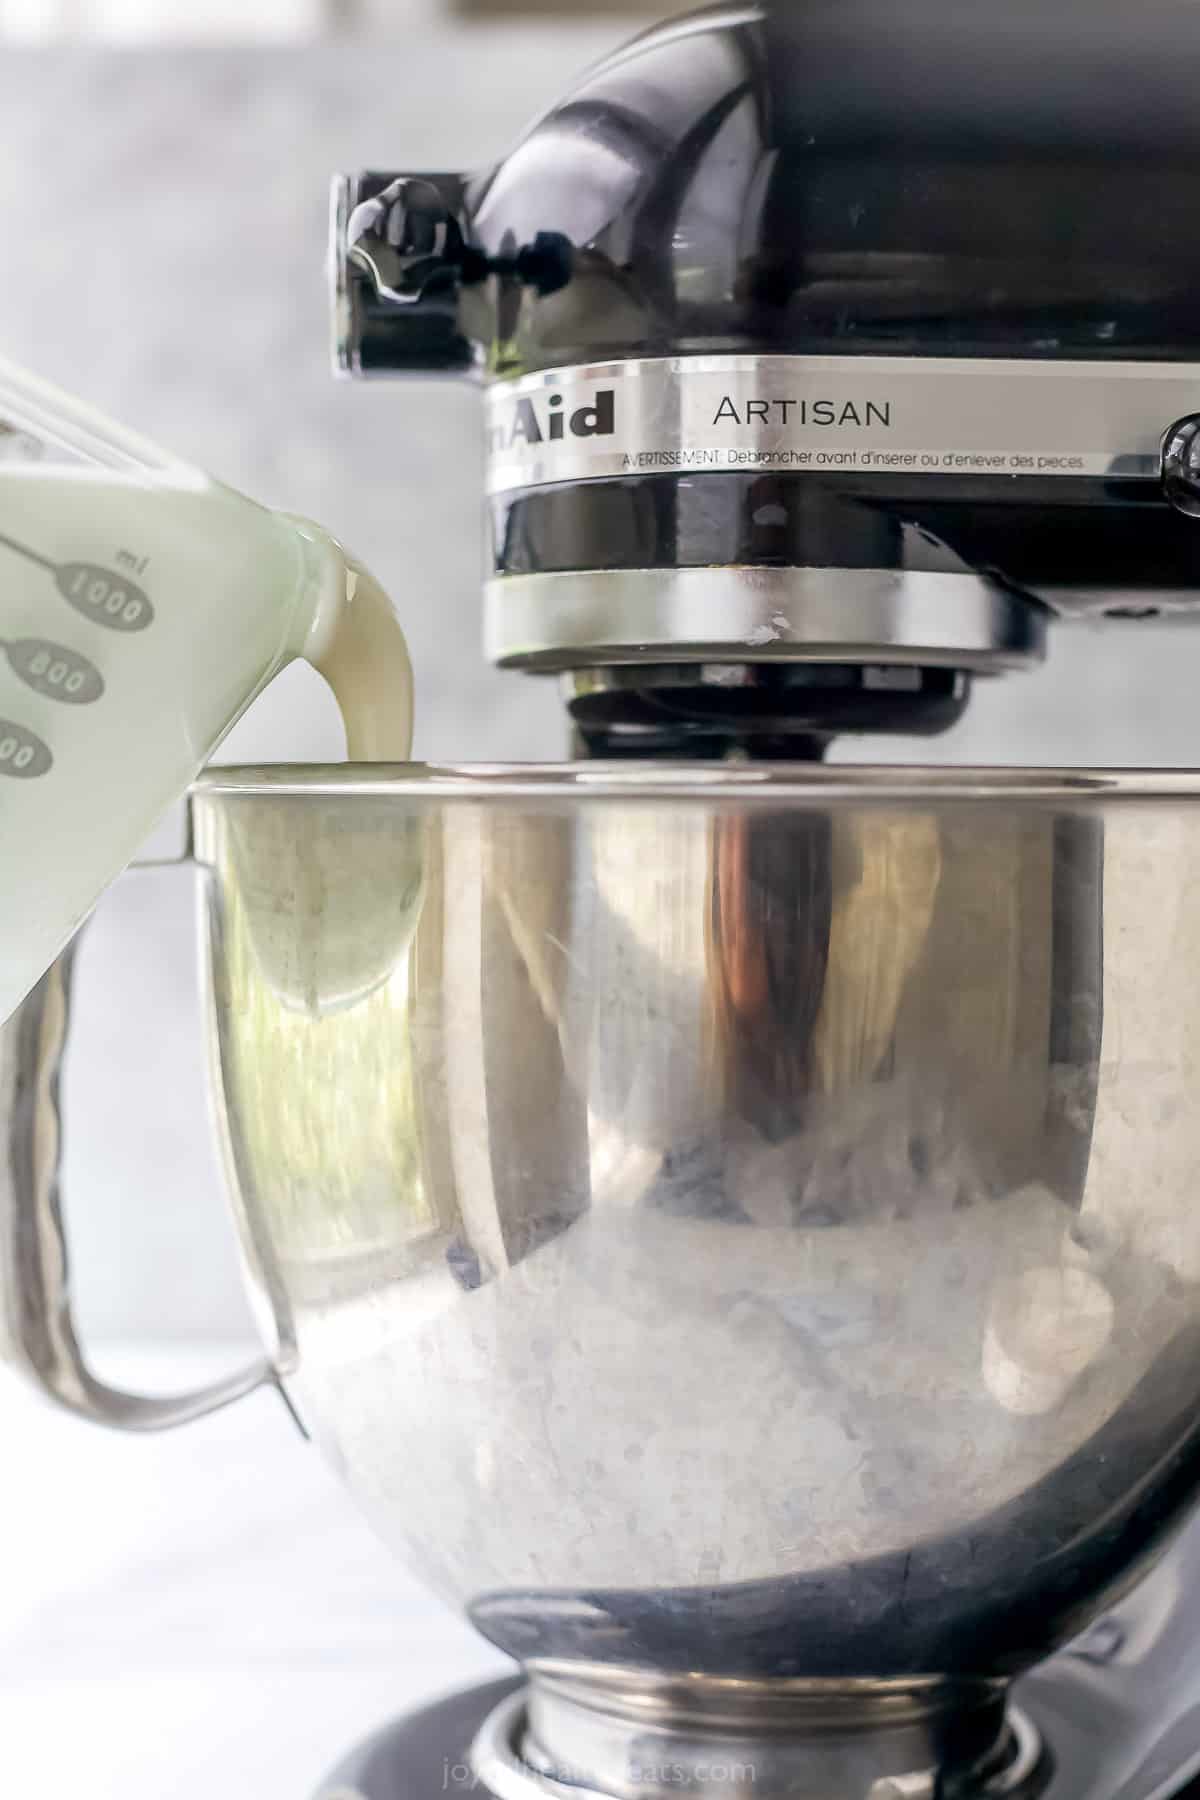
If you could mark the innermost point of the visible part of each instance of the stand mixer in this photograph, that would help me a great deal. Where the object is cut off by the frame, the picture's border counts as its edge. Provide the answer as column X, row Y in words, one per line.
column 730, row 1221
column 833, row 357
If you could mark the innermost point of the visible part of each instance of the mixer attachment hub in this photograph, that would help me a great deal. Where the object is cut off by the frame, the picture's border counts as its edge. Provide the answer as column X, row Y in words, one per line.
column 565, row 1738
column 759, row 710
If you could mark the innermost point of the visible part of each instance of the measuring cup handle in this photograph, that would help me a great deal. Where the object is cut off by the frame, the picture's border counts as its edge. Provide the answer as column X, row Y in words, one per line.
column 34, row 1263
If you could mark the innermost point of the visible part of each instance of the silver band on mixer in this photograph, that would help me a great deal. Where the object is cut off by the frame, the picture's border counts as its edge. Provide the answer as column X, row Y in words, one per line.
column 926, row 619
column 863, row 415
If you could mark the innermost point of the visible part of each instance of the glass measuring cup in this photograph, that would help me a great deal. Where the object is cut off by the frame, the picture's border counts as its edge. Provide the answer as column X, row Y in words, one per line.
column 143, row 605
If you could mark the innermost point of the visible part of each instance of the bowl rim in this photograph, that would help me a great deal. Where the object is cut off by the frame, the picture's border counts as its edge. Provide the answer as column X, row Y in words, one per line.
column 882, row 784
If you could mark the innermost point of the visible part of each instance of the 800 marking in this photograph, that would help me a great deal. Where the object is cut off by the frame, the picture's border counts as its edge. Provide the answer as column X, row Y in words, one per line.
column 55, row 670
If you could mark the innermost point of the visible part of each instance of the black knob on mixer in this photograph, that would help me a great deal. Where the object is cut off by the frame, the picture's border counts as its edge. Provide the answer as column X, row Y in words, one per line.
column 1181, row 465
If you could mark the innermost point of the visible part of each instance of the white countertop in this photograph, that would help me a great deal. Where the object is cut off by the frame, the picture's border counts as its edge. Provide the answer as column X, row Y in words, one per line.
column 200, row 1615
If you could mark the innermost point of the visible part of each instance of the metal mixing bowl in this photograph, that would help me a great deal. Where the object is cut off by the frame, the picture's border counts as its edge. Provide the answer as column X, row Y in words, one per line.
column 733, row 1221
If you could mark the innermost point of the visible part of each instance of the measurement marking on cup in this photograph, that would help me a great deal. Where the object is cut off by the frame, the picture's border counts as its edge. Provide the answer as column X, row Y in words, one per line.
column 54, row 670
column 22, row 754
column 26, row 550
column 107, row 599
column 104, row 597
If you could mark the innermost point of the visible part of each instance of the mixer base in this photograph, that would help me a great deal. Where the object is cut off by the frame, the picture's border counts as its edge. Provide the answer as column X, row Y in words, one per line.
column 421, row 1755
column 425, row 1754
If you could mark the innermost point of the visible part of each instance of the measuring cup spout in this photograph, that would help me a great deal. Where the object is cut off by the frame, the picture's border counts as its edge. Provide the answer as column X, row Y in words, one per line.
column 354, row 638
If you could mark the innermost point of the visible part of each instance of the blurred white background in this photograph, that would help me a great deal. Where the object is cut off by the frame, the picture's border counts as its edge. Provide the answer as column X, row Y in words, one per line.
column 163, row 184
column 277, row 21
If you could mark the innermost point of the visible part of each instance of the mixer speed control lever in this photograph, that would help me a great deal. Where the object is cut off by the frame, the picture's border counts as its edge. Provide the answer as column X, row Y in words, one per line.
column 409, row 276
column 398, row 257
column 408, row 241
column 1181, row 465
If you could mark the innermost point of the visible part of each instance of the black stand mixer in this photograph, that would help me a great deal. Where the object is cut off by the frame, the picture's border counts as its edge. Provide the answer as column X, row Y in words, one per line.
column 834, row 356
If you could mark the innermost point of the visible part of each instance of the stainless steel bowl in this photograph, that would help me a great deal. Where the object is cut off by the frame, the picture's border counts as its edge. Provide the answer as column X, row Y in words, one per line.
column 735, row 1229
column 735, row 1222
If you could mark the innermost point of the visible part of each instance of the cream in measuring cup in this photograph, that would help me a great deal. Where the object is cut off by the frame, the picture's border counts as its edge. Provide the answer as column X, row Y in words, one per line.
column 143, row 605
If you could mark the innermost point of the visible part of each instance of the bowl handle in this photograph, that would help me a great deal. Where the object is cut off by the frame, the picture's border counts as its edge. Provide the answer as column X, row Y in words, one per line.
column 37, row 1328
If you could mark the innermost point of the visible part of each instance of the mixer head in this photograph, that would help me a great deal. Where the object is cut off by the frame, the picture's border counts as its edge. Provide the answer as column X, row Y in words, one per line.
column 830, row 352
